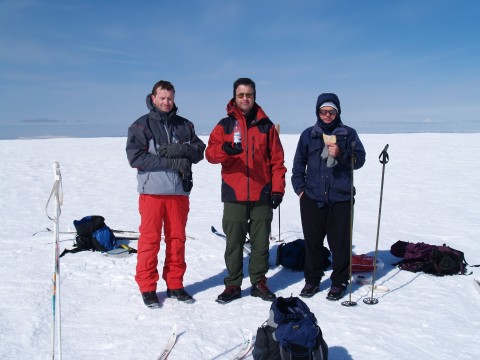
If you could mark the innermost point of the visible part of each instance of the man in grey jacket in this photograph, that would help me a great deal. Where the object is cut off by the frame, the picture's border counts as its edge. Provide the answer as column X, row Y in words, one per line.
column 162, row 146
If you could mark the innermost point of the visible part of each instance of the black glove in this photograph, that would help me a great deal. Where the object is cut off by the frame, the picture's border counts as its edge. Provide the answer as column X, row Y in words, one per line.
column 230, row 150
column 174, row 151
column 183, row 166
column 276, row 199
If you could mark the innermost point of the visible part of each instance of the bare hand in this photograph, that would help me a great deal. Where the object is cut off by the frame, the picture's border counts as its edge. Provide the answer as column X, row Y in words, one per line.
column 333, row 150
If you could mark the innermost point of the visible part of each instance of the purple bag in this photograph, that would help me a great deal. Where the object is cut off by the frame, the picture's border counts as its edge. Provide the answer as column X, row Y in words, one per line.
column 431, row 259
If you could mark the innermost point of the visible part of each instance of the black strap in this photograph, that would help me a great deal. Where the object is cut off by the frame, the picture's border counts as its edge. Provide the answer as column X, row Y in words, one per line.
column 383, row 157
column 73, row 251
column 77, row 249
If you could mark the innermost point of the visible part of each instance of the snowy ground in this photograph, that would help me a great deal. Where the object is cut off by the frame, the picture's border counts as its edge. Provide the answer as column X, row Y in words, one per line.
column 431, row 194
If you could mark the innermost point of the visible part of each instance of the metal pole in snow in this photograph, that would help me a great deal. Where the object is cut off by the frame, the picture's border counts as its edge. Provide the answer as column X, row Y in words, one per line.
column 57, row 193
column 383, row 158
column 349, row 302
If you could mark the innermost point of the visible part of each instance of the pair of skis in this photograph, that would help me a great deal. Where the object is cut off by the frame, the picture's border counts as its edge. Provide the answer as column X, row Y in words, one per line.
column 246, row 248
column 119, row 234
column 246, row 348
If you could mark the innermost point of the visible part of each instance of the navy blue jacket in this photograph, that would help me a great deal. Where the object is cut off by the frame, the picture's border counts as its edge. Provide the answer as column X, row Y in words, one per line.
column 310, row 172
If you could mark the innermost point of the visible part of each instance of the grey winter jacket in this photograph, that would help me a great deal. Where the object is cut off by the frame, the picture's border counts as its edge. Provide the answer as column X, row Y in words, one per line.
column 144, row 138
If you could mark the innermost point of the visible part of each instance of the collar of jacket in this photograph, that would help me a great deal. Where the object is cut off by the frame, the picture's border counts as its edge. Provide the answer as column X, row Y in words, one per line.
column 318, row 129
column 234, row 111
column 328, row 128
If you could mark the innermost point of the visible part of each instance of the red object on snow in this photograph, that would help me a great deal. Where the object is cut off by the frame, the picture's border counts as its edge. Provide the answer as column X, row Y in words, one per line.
column 362, row 263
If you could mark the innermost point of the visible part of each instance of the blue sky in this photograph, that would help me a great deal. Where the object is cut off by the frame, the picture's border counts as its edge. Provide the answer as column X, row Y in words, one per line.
column 83, row 68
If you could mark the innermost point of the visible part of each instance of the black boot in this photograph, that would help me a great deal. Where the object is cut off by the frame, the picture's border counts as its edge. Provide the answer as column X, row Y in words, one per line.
column 180, row 295
column 261, row 290
column 337, row 291
column 229, row 294
column 309, row 290
column 150, row 299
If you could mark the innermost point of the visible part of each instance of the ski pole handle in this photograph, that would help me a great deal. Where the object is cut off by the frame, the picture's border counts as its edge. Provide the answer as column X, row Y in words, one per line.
column 383, row 157
column 352, row 147
column 57, row 176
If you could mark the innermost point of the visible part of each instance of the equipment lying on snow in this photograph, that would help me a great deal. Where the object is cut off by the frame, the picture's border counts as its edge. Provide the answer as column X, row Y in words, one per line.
column 431, row 259
column 291, row 255
column 365, row 263
column 94, row 235
column 291, row 332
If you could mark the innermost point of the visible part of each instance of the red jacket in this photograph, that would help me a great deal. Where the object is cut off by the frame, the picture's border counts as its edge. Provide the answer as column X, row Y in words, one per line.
column 259, row 170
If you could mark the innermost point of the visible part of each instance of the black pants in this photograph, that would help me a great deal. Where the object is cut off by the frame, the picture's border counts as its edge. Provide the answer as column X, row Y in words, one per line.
column 332, row 221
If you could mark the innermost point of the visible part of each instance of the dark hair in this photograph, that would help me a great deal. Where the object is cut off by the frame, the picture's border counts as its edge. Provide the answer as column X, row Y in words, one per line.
column 164, row 85
column 246, row 82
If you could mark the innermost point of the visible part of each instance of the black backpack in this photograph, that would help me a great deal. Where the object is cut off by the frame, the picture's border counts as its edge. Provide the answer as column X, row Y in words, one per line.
column 92, row 234
column 291, row 255
column 291, row 332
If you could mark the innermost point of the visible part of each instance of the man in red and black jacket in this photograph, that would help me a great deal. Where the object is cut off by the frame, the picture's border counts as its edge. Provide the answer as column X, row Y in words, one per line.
column 248, row 147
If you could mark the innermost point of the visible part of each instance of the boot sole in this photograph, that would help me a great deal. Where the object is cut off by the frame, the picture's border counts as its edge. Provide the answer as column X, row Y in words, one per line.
column 309, row 295
column 223, row 302
column 336, row 297
column 263, row 298
column 188, row 301
column 153, row 306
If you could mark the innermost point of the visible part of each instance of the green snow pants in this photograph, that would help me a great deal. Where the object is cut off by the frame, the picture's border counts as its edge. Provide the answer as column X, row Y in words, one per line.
column 240, row 219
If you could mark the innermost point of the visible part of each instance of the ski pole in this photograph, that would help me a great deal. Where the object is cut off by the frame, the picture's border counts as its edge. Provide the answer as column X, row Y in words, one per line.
column 349, row 302
column 383, row 158
column 279, row 223
column 57, row 192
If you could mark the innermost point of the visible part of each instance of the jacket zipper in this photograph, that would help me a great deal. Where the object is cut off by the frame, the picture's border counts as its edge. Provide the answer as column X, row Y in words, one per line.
column 245, row 130
column 167, row 131
column 253, row 148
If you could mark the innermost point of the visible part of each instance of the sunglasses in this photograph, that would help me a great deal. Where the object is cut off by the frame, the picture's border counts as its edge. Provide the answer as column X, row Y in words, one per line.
column 247, row 95
column 331, row 112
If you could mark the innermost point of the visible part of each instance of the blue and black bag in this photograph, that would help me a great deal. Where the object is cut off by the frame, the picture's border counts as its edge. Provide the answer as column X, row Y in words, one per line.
column 93, row 235
column 291, row 255
column 103, row 239
column 291, row 332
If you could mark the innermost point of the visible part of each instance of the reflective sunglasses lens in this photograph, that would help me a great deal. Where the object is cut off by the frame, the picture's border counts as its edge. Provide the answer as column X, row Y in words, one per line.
column 247, row 95
column 325, row 112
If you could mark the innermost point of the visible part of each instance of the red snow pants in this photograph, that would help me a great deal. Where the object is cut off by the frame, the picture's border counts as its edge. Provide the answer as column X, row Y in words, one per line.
column 169, row 212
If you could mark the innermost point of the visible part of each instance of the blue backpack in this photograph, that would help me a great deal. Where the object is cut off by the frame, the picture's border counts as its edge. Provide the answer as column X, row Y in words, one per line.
column 103, row 239
column 92, row 234
column 291, row 332
column 291, row 255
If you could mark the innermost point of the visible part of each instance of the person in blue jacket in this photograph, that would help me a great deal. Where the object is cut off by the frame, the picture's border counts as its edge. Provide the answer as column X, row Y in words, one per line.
column 322, row 178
